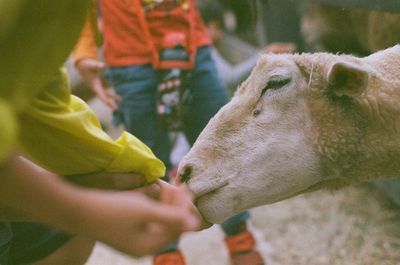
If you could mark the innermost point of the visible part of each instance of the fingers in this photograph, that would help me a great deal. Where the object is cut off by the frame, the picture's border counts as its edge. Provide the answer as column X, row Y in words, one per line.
column 174, row 208
column 111, row 103
column 181, row 197
column 152, row 191
column 163, row 235
column 176, row 219
column 151, row 240
column 106, row 99
column 90, row 70
column 174, row 195
column 113, row 95
column 120, row 181
column 107, row 96
column 111, row 99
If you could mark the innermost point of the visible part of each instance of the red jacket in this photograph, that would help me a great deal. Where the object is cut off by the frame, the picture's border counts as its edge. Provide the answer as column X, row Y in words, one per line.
column 125, row 39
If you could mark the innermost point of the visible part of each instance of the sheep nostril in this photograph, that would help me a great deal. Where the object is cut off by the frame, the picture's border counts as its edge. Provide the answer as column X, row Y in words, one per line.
column 184, row 173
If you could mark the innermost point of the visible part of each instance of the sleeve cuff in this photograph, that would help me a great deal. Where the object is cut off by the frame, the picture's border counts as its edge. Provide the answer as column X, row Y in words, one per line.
column 136, row 157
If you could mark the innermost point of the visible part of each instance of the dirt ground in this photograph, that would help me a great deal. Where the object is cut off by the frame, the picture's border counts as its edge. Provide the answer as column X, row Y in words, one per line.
column 353, row 226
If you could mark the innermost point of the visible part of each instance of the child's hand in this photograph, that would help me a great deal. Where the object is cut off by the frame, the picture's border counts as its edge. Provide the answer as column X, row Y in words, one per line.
column 134, row 223
column 183, row 198
column 90, row 70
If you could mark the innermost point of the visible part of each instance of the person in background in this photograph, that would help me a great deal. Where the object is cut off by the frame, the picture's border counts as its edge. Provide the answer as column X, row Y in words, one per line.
column 144, row 41
column 232, row 74
column 76, row 188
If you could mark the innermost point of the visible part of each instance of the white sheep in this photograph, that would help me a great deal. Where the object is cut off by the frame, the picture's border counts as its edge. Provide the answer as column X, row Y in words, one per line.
column 299, row 123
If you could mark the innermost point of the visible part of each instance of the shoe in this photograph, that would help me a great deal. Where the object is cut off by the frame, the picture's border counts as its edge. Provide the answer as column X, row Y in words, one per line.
column 247, row 258
column 169, row 258
column 242, row 250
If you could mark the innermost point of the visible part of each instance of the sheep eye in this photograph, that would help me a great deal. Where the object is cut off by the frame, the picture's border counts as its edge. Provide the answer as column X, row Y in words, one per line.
column 276, row 83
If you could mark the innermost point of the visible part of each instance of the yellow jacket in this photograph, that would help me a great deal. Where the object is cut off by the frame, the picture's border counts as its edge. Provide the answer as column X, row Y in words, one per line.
column 37, row 113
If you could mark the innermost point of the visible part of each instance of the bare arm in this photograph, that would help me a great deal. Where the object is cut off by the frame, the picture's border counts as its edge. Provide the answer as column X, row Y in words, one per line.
column 129, row 221
column 33, row 194
column 90, row 68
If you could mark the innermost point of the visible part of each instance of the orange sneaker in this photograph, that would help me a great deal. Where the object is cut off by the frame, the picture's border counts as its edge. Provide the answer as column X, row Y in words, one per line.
column 169, row 258
column 241, row 249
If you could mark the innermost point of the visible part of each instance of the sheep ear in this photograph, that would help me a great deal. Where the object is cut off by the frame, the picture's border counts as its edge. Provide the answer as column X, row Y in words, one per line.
column 345, row 79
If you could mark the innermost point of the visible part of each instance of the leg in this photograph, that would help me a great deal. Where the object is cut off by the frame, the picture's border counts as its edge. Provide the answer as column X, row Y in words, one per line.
column 169, row 255
column 236, row 224
column 137, row 109
column 241, row 241
column 208, row 95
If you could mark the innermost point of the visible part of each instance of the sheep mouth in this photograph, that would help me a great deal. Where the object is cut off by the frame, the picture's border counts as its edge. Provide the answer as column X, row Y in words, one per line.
column 206, row 190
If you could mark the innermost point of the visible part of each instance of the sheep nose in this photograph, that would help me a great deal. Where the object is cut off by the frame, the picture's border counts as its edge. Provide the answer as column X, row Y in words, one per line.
column 184, row 173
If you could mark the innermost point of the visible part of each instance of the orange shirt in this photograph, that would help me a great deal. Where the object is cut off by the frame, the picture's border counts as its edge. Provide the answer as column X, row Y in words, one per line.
column 124, row 37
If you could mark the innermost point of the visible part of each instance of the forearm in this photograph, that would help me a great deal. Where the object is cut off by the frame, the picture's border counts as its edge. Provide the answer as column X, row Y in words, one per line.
column 111, row 217
column 30, row 194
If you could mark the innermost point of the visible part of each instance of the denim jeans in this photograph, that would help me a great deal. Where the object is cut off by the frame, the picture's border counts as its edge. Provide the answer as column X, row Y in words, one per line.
column 137, row 85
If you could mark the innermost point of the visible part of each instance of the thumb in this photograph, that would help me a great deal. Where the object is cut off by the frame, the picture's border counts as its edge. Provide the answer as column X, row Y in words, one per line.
column 173, row 217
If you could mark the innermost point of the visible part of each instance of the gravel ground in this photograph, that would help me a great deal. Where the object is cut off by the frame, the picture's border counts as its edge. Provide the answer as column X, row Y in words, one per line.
column 353, row 226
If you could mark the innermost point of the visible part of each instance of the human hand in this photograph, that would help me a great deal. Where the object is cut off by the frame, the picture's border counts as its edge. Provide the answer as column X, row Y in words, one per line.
column 203, row 224
column 109, row 181
column 136, row 224
column 167, row 193
column 280, row 47
column 90, row 70
column 127, row 220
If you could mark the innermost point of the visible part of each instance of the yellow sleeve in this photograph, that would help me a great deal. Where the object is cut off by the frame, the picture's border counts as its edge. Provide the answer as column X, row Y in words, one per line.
column 8, row 129
column 29, row 52
column 62, row 134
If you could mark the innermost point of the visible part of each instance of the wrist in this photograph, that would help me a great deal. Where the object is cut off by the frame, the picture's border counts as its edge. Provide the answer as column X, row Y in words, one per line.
column 73, row 215
column 61, row 212
column 84, row 207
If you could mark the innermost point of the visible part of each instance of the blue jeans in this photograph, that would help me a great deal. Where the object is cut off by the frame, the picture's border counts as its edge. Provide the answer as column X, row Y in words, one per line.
column 137, row 85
